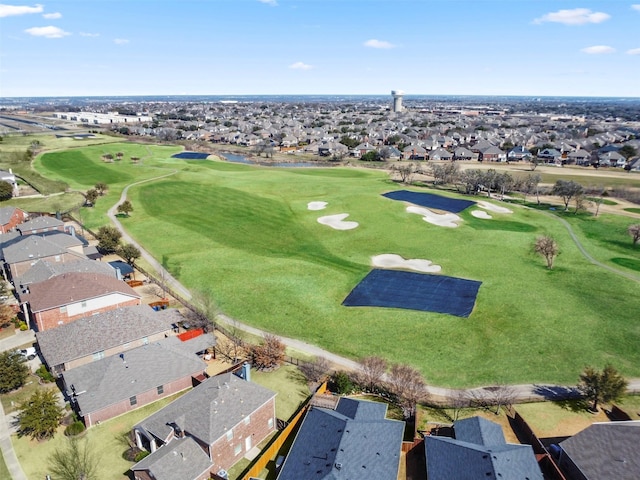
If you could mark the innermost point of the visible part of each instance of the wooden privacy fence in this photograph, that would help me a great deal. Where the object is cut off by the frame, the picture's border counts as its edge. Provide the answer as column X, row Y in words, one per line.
column 274, row 446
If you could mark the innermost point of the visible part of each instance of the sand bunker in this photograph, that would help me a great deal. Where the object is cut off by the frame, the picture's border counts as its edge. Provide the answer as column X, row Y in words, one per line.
column 391, row 260
column 481, row 214
column 493, row 208
column 440, row 219
column 316, row 205
column 337, row 222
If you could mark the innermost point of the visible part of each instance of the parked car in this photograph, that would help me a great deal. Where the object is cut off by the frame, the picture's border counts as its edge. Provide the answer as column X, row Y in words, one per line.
column 29, row 353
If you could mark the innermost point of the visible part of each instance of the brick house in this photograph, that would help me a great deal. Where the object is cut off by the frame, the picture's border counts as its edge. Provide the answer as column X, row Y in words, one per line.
column 10, row 217
column 115, row 385
column 70, row 296
column 103, row 335
column 23, row 252
column 225, row 417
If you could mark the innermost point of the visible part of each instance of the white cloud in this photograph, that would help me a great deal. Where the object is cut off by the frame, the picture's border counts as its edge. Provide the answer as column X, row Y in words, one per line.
column 300, row 66
column 120, row 41
column 598, row 49
column 11, row 10
column 636, row 7
column 47, row 32
column 634, row 51
column 272, row 3
column 577, row 16
column 86, row 34
column 52, row 16
column 373, row 43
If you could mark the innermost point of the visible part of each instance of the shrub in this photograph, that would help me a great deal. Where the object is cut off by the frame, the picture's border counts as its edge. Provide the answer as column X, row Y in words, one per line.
column 76, row 428
column 341, row 383
column 140, row 455
column 23, row 326
column 44, row 374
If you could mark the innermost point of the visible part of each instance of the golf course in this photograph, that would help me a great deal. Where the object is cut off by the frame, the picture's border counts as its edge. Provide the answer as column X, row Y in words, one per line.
column 246, row 236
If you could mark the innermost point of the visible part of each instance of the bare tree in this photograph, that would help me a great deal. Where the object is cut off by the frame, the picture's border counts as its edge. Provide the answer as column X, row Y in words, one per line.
column 634, row 231
column 231, row 346
column 408, row 386
column 548, row 248
column 459, row 400
column 567, row 189
column 373, row 369
column 315, row 370
column 502, row 396
column 406, row 171
column 269, row 354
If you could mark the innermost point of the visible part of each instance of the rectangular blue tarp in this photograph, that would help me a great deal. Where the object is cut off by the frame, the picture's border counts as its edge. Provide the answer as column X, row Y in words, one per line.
column 430, row 200
column 415, row 291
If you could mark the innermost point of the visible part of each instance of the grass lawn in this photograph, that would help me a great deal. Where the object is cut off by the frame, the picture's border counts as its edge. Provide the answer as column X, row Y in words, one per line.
column 12, row 400
column 245, row 234
column 52, row 203
column 632, row 210
column 4, row 471
column 107, row 440
column 558, row 419
column 290, row 385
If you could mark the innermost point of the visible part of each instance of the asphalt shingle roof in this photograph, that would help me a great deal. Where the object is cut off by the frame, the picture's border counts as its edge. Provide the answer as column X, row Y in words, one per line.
column 113, row 379
column 44, row 270
column 103, row 331
column 606, row 450
column 479, row 451
column 38, row 223
column 33, row 247
column 353, row 441
column 209, row 410
column 183, row 459
column 74, row 287
column 5, row 214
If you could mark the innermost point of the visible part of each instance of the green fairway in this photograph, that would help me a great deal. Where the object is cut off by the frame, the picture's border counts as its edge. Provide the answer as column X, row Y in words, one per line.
column 245, row 234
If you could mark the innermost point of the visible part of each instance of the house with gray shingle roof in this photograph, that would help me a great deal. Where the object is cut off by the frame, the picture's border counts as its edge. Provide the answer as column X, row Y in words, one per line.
column 440, row 154
column 355, row 440
column 479, row 450
column 21, row 253
column 225, row 415
column 10, row 217
column 70, row 296
column 182, row 459
column 44, row 270
column 41, row 225
column 117, row 384
column 109, row 333
column 603, row 451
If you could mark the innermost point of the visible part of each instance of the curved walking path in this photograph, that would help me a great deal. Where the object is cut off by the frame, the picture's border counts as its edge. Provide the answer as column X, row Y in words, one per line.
column 586, row 254
column 524, row 392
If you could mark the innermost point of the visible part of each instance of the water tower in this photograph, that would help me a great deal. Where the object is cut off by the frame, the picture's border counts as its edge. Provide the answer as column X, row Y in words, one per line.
column 397, row 100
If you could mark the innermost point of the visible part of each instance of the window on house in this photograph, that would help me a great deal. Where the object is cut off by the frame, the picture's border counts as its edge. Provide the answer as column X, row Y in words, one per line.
column 57, row 257
column 237, row 449
column 230, row 435
column 83, row 304
column 98, row 355
column 160, row 389
column 145, row 340
column 133, row 400
column 63, row 309
column 270, row 422
column 247, row 420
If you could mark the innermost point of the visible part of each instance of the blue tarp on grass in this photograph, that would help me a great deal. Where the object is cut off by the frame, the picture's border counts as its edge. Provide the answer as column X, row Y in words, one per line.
column 415, row 291
column 430, row 200
column 191, row 155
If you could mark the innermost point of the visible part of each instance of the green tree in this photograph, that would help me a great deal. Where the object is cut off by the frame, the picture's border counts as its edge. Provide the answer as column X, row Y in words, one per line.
column 108, row 239
column 6, row 191
column 125, row 207
column 13, row 370
column 372, row 156
column 634, row 231
column 74, row 461
column 567, row 189
column 129, row 252
column 628, row 151
column 40, row 415
column 602, row 387
column 349, row 142
column 548, row 248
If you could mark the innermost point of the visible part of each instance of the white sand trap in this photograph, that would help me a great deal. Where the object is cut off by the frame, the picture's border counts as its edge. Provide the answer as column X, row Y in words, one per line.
column 337, row 222
column 481, row 214
column 439, row 219
column 493, row 208
column 316, row 205
column 391, row 260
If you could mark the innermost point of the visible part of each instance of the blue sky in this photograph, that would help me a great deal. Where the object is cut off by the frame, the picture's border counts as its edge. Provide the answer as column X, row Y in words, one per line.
column 235, row 47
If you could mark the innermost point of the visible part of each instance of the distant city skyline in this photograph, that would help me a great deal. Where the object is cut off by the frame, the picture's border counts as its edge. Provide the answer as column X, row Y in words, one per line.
column 351, row 47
